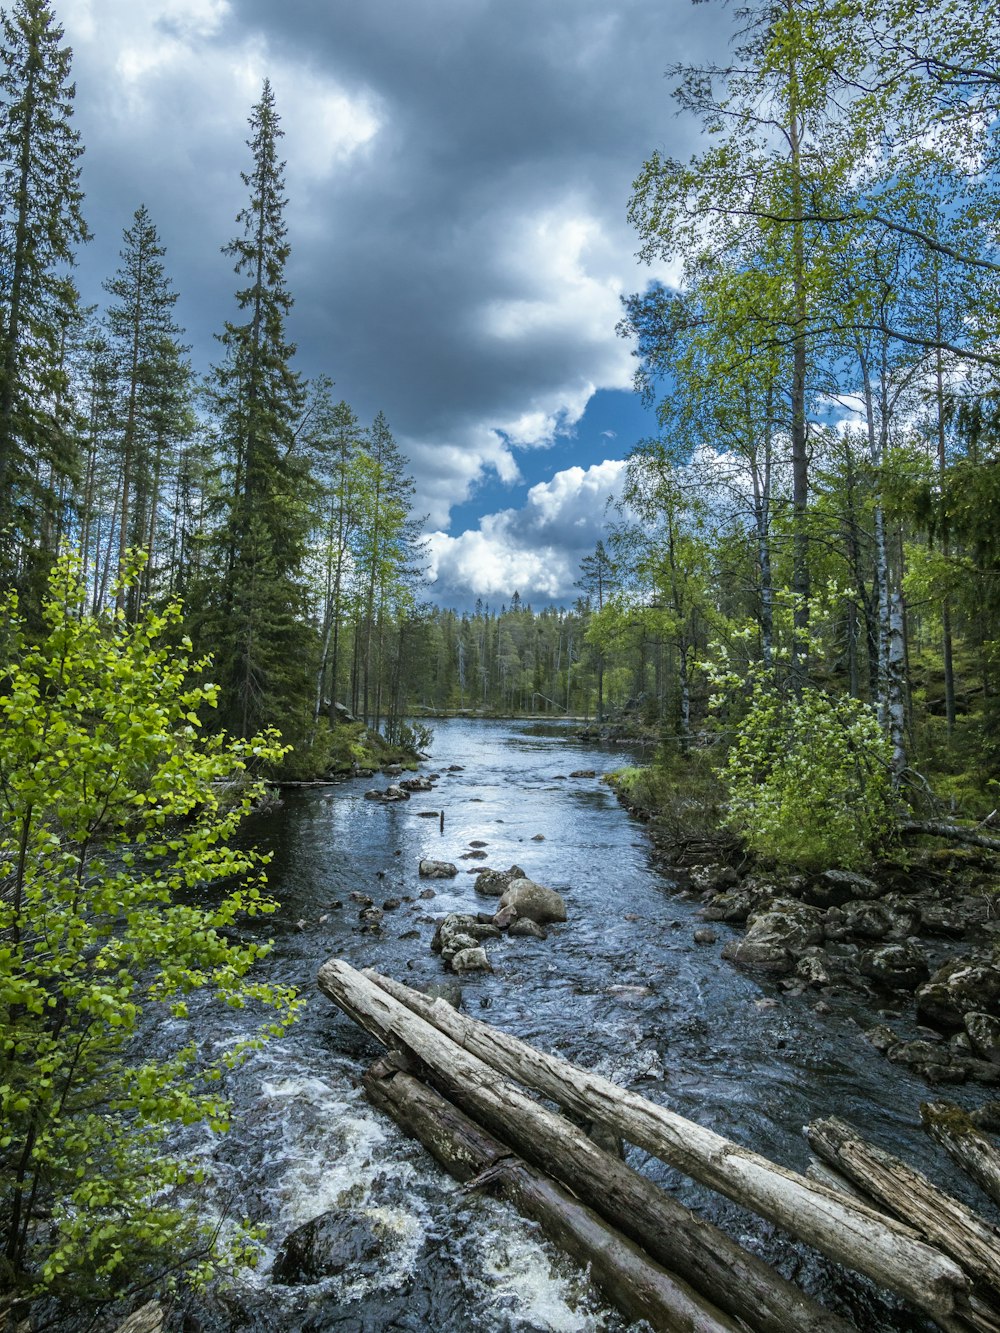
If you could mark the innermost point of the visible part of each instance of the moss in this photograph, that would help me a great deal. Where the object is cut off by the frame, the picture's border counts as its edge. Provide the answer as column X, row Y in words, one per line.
column 342, row 748
column 947, row 1117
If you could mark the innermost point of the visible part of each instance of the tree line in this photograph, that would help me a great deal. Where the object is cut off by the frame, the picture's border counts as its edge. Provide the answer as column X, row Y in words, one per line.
column 257, row 497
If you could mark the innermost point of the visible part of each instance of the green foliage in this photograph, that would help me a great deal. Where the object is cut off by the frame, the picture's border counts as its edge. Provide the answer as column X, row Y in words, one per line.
column 116, row 813
column 808, row 778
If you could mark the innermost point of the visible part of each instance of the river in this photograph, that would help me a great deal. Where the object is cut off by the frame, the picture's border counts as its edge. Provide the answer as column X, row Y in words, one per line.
column 621, row 988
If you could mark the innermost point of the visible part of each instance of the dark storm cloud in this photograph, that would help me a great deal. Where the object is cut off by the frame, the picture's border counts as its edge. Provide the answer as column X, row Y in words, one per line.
column 458, row 175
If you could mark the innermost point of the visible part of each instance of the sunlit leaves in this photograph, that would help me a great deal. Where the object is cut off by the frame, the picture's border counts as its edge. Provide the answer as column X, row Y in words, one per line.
column 114, row 808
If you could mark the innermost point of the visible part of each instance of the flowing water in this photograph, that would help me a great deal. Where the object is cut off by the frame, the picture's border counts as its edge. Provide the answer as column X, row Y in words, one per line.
column 621, row 988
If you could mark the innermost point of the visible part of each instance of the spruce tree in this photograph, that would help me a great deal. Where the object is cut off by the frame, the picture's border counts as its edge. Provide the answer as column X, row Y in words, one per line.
column 40, row 226
column 256, row 622
column 154, row 390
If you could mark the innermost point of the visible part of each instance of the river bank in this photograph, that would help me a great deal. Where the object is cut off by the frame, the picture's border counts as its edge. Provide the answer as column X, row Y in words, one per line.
column 622, row 987
column 918, row 935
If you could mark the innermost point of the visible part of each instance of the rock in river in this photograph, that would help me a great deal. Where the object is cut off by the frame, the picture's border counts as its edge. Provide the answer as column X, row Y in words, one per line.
column 437, row 870
column 494, row 883
column 776, row 936
column 534, row 901
column 327, row 1245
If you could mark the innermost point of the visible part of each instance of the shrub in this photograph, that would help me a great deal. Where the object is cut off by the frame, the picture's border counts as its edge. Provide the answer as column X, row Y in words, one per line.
column 116, row 811
column 808, row 779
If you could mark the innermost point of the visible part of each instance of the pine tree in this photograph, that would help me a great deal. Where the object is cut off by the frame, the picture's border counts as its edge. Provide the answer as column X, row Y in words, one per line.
column 40, row 225
column 256, row 618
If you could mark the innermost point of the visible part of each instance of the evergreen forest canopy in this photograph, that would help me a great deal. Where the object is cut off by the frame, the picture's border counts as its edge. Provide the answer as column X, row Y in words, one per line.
column 801, row 580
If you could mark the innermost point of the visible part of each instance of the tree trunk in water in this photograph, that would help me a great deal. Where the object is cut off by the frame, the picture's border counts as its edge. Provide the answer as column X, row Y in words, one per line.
column 860, row 1238
column 964, row 1143
column 630, row 1280
column 945, row 1222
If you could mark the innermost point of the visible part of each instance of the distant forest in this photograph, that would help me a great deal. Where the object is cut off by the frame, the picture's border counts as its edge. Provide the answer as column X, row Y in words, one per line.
column 819, row 504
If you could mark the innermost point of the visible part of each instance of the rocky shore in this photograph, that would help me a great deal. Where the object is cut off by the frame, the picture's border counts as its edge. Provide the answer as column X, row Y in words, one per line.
column 927, row 931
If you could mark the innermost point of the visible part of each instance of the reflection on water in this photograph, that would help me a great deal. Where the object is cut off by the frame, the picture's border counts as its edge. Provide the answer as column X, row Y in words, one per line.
column 621, row 987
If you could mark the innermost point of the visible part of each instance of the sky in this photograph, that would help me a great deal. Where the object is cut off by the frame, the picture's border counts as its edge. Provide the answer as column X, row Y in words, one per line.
column 458, row 174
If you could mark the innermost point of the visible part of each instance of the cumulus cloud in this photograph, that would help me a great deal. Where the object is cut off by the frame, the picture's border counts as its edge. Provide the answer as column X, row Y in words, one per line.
column 535, row 550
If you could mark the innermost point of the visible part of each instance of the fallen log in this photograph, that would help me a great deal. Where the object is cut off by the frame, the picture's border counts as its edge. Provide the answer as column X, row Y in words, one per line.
column 735, row 1281
column 936, row 828
column 965, row 1143
column 945, row 1222
column 629, row 1279
column 891, row 1254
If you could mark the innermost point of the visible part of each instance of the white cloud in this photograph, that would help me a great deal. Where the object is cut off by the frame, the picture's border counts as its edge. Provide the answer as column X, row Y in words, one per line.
column 569, row 277
column 535, row 550
column 171, row 54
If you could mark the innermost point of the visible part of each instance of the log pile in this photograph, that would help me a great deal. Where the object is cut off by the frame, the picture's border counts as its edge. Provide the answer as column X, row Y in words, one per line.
column 459, row 1086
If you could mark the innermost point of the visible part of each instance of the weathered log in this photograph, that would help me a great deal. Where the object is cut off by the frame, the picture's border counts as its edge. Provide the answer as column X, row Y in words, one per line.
column 891, row 1254
column 629, row 1279
column 965, row 1143
column 952, row 832
column 945, row 1222
column 823, row 1174
column 734, row 1280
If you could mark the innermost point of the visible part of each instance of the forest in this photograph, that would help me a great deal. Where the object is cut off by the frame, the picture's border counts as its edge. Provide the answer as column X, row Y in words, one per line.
column 796, row 602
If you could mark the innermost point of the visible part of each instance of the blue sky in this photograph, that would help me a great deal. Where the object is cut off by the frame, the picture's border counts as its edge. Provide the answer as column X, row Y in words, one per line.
column 458, row 175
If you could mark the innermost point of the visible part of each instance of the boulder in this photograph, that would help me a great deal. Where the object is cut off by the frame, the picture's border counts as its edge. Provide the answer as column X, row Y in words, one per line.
column 833, row 888
column 938, row 1006
column 417, row 784
column 951, row 918
column 932, row 1062
column 715, row 877
column 705, row 936
column 437, row 870
column 871, row 920
column 471, row 960
column 776, row 936
column 392, row 793
column 584, row 773
column 459, row 931
column 813, row 968
column 504, row 917
column 534, row 900
column 735, row 906
column 882, row 1038
column 327, row 1245
column 494, row 883
column 962, row 985
column 524, row 926
column 895, row 966
column 984, row 1033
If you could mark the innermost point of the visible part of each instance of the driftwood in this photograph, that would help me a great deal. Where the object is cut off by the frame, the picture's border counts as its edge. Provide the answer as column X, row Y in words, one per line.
column 965, row 1143
column 952, row 832
column 735, row 1281
column 629, row 1279
column 945, row 1222
column 892, row 1254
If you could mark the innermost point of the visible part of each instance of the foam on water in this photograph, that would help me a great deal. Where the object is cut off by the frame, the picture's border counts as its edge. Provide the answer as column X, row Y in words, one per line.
column 523, row 1283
